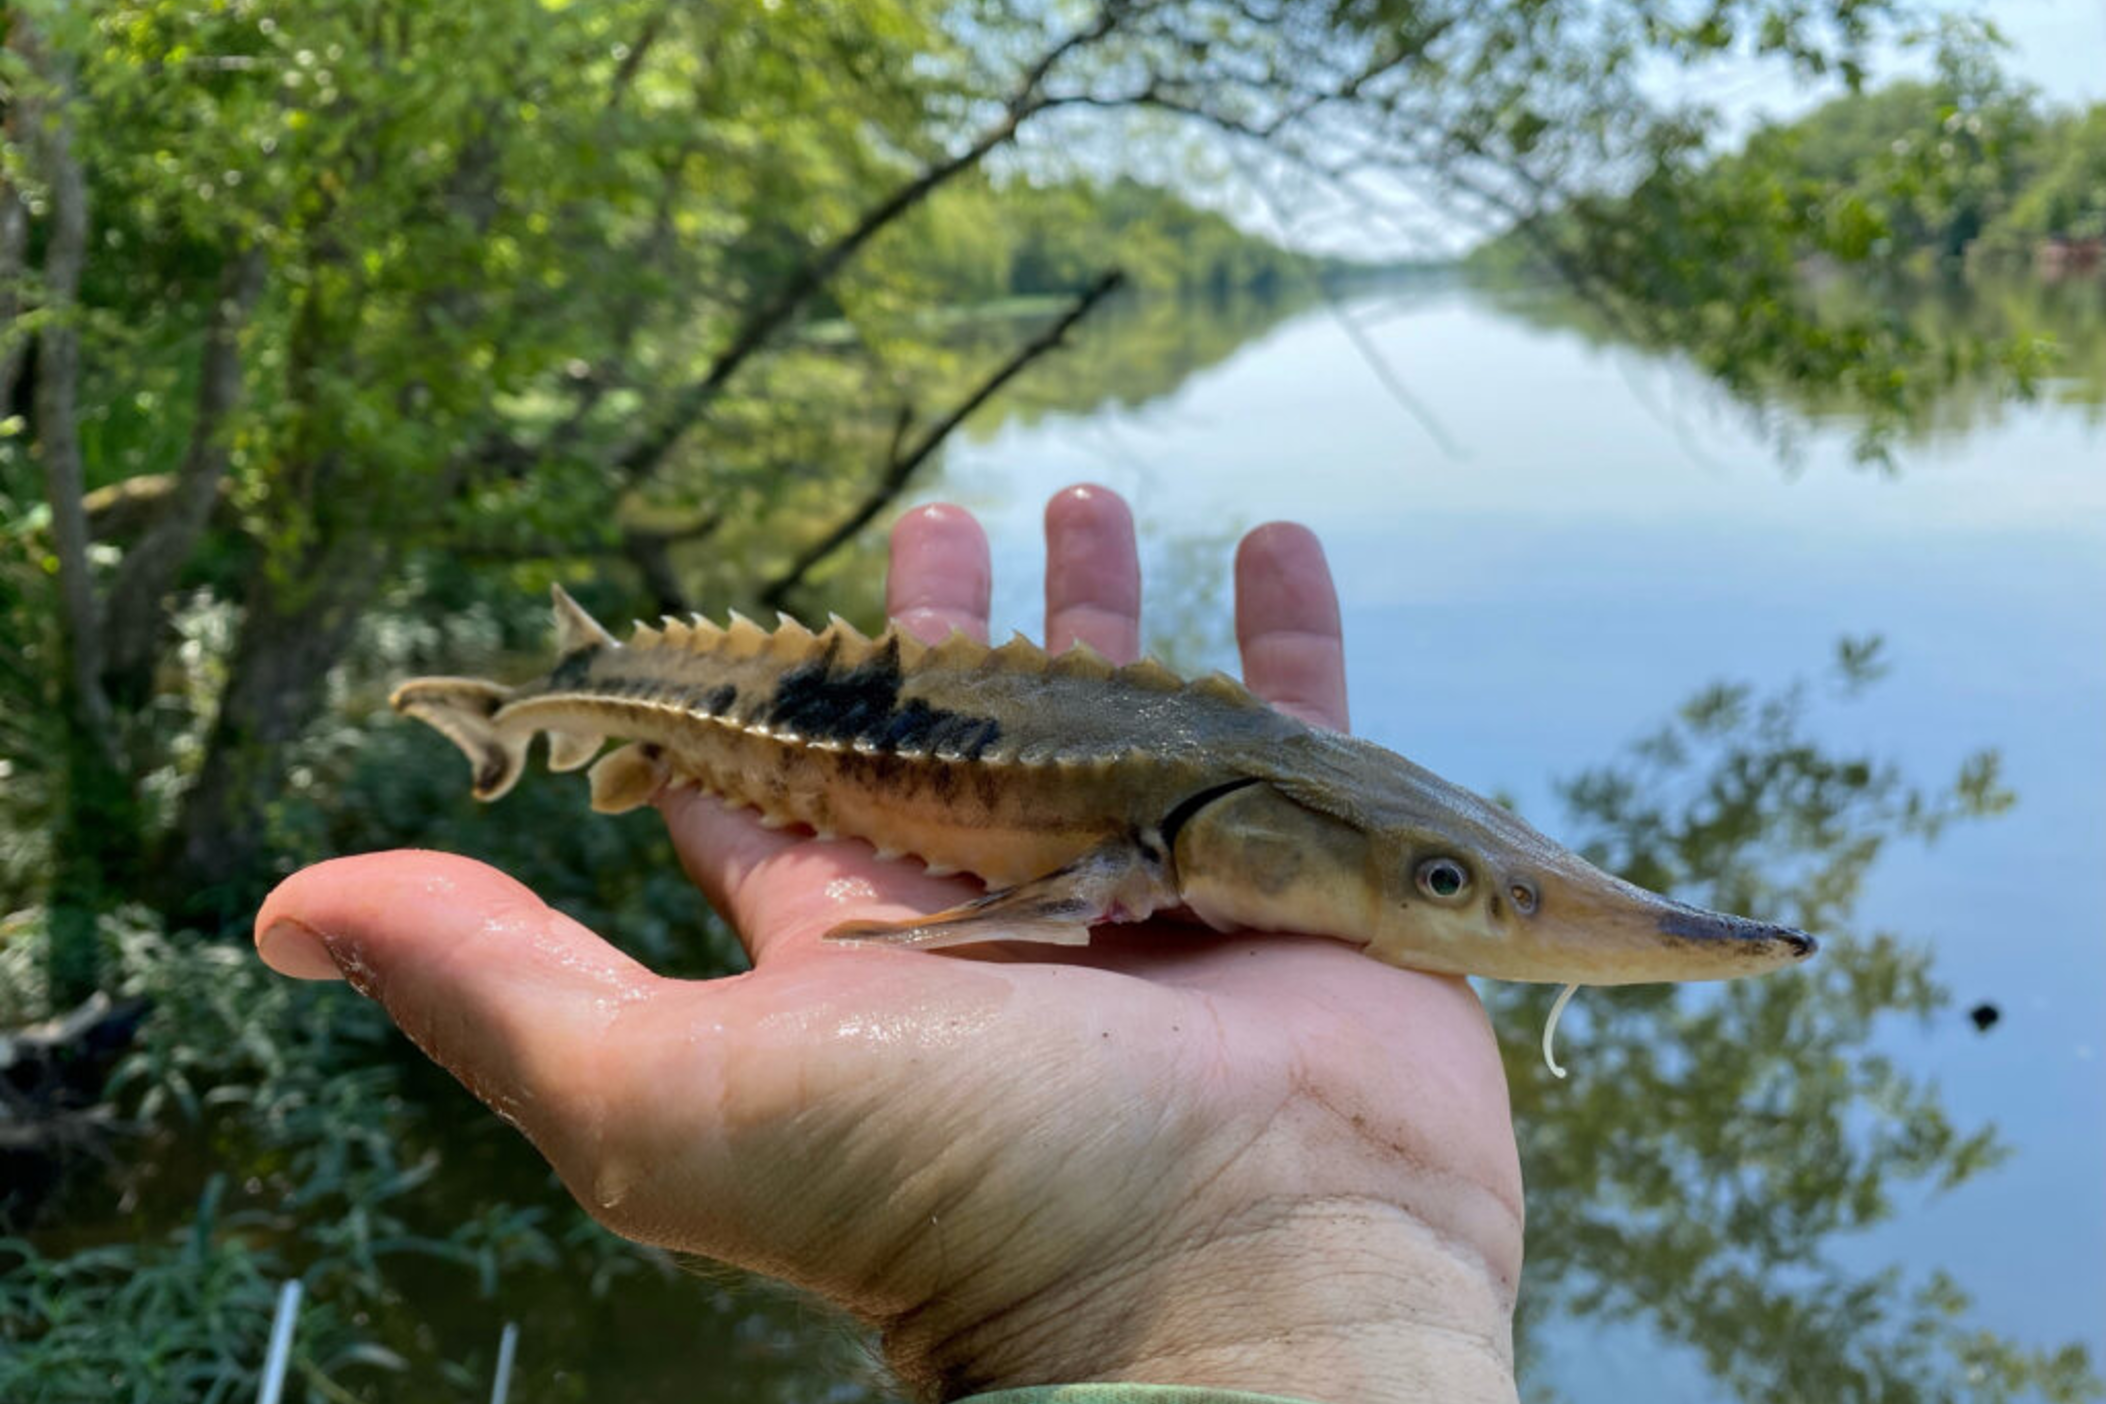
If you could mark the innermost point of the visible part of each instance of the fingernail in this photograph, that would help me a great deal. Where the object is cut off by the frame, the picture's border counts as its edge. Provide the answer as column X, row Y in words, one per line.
column 296, row 949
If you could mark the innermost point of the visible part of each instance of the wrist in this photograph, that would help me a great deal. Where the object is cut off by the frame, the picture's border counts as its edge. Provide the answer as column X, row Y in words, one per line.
column 1322, row 1299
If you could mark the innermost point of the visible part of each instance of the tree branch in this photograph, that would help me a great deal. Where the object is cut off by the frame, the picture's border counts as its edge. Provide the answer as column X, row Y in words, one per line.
column 135, row 610
column 632, row 62
column 14, row 256
column 643, row 456
column 900, row 469
column 58, row 375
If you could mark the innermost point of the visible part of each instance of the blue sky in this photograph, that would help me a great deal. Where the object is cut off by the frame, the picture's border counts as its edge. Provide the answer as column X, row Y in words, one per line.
column 2057, row 45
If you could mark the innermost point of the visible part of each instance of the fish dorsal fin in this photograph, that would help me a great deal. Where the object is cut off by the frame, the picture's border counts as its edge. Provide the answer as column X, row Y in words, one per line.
column 575, row 629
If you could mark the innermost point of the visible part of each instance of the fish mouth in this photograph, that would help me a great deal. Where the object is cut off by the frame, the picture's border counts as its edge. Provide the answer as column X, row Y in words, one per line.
column 1713, row 929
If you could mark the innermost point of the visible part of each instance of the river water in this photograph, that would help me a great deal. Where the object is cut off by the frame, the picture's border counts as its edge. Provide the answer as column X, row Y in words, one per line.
column 1544, row 544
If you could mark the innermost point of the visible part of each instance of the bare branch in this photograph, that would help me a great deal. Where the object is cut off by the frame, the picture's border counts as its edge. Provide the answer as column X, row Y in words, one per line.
column 642, row 457
column 135, row 610
column 14, row 250
column 900, row 469
column 633, row 61
column 651, row 554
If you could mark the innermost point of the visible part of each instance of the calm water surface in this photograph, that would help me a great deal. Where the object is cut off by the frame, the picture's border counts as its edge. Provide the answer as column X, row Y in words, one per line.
column 1589, row 539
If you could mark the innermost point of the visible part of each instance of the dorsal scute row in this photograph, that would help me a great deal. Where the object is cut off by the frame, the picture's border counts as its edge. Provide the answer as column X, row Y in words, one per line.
column 846, row 646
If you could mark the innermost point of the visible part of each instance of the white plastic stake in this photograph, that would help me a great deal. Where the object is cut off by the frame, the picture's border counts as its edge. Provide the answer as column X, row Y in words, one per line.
column 507, row 1347
column 280, row 1355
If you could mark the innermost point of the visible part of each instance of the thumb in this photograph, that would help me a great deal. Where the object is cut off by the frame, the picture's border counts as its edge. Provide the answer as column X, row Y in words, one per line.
column 511, row 996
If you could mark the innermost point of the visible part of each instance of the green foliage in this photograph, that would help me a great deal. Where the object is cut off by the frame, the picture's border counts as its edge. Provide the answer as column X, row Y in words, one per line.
column 276, row 1076
column 1711, row 1145
column 287, row 1133
column 2067, row 198
column 986, row 240
column 1784, row 270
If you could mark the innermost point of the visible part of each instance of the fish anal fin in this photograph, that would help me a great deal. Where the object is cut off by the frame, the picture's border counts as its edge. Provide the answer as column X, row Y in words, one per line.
column 627, row 778
column 1113, row 882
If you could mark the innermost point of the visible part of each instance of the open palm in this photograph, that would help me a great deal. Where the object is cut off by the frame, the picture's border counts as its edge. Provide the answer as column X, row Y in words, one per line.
column 1256, row 1161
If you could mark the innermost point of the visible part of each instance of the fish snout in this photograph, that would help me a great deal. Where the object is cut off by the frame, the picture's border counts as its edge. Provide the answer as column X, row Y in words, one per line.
column 1597, row 929
column 1760, row 943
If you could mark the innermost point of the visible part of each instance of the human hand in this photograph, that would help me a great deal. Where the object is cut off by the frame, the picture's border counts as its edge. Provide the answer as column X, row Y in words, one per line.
column 1256, row 1162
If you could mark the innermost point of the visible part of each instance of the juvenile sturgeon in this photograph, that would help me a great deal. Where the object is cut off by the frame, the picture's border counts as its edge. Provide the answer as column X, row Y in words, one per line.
column 1081, row 793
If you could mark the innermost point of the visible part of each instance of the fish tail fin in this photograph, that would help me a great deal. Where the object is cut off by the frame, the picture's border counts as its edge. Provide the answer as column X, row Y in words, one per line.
column 463, row 710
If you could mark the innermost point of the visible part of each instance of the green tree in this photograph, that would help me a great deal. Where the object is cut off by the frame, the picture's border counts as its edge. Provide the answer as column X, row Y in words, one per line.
column 2067, row 198
column 1732, row 259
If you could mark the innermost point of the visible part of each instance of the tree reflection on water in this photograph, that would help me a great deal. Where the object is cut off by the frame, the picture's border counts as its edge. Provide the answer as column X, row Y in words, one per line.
column 1714, row 1142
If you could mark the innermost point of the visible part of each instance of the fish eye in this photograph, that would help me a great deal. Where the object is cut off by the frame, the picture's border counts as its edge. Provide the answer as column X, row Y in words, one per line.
column 1523, row 894
column 1443, row 879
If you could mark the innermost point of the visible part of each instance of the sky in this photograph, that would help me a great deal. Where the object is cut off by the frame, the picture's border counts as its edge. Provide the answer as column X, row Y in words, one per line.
column 2057, row 45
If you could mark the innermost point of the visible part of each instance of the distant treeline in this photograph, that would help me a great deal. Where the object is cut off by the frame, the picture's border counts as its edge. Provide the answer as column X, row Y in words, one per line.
column 995, row 239
column 1963, row 164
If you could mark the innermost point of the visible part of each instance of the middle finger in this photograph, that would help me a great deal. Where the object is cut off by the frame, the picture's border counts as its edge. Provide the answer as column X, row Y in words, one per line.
column 1093, row 574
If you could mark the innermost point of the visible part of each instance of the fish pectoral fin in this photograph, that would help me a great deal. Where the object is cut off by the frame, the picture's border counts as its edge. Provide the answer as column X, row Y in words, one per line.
column 1114, row 882
column 999, row 916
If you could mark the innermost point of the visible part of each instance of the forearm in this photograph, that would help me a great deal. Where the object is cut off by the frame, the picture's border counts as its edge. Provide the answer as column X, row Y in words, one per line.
column 1332, row 1300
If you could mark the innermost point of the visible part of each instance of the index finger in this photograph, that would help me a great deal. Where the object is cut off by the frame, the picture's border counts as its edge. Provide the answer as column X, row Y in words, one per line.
column 940, row 577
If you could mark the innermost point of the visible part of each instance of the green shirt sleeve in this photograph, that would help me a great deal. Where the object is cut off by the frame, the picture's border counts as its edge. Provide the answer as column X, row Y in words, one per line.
column 1125, row 1394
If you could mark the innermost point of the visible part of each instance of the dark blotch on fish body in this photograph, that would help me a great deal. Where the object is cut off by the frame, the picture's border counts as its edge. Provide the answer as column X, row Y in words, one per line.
column 572, row 669
column 821, row 702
